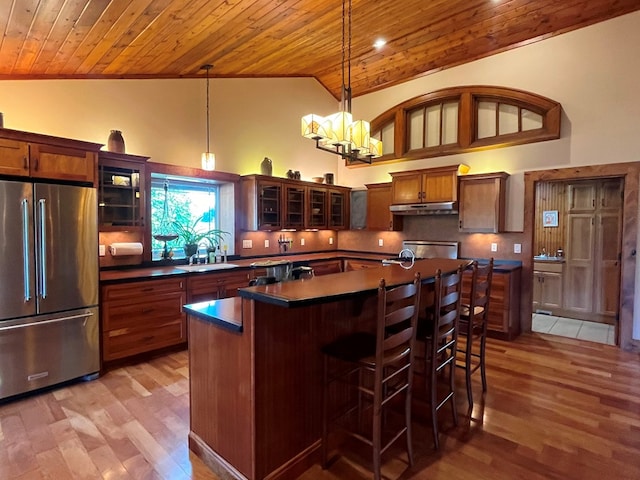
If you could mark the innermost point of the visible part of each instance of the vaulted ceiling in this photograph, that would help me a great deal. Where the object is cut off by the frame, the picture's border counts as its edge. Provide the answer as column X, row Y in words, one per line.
column 62, row 39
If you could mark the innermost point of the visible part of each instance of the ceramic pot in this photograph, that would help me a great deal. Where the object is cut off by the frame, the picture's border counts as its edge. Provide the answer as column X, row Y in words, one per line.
column 266, row 167
column 115, row 143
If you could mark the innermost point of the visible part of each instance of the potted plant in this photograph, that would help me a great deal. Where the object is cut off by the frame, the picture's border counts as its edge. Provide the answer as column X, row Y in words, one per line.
column 192, row 236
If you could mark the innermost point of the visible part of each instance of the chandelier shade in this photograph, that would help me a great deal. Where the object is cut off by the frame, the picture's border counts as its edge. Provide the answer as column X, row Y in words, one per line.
column 338, row 133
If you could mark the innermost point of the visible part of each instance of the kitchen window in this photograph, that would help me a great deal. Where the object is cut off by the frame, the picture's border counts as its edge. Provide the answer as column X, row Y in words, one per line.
column 191, row 201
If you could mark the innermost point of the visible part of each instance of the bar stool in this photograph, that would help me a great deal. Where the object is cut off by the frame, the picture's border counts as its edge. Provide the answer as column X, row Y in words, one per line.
column 473, row 326
column 382, row 367
column 438, row 332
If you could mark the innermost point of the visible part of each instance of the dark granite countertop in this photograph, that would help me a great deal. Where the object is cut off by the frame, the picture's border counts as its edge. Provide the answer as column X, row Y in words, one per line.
column 226, row 312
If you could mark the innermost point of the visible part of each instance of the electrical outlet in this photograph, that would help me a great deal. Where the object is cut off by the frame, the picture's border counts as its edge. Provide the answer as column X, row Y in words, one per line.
column 380, row 242
column 266, row 243
column 247, row 244
column 517, row 248
column 302, row 242
column 330, row 240
column 494, row 247
column 102, row 251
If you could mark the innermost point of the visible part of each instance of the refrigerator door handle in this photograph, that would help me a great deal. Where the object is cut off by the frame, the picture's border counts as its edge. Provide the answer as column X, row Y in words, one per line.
column 43, row 247
column 54, row 320
column 26, row 254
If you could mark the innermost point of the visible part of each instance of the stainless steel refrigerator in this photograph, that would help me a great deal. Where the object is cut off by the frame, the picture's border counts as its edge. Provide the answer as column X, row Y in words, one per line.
column 48, row 285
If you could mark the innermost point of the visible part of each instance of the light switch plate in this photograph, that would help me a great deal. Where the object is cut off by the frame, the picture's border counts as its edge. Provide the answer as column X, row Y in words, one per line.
column 380, row 242
column 330, row 240
column 266, row 243
column 102, row 251
column 494, row 247
column 302, row 242
column 517, row 248
column 247, row 244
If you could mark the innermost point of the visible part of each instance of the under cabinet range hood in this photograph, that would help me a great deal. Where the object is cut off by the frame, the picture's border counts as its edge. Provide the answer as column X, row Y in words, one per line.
column 439, row 208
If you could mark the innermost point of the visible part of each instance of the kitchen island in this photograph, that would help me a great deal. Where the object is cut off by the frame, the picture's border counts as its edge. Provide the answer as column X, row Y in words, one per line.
column 255, row 366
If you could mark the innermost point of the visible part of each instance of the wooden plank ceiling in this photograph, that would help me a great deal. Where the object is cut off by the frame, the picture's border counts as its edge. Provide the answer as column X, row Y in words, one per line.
column 56, row 39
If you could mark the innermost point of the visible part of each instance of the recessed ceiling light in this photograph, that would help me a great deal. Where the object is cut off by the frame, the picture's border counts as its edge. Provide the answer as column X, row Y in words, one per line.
column 379, row 43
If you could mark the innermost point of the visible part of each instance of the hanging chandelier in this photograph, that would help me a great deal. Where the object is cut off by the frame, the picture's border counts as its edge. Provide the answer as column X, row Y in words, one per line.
column 208, row 157
column 338, row 133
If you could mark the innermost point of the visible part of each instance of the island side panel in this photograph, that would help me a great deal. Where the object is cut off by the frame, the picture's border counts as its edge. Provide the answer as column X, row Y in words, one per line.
column 288, row 378
column 221, row 374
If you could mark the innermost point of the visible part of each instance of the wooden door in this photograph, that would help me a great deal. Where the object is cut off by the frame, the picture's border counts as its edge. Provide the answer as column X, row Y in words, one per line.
column 63, row 163
column 440, row 187
column 482, row 202
column 579, row 262
column 14, row 157
column 582, row 197
column 406, row 189
column 551, row 298
column 379, row 217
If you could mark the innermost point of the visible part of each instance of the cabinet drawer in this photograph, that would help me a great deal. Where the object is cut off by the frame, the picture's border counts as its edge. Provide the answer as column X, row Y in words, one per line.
column 142, row 314
column 142, row 289
column 125, row 342
column 547, row 267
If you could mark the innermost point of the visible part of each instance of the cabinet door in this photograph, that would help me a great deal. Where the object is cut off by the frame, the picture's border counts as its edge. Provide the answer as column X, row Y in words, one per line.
column 378, row 215
column 120, row 194
column 317, row 217
column 269, row 205
column 295, row 199
column 338, row 210
column 537, row 291
column 607, row 268
column 14, row 157
column 325, row 267
column 481, row 204
column 406, row 189
column 582, row 197
column 551, row 291
column 351, row 264
column 63, row 163
column 440, row 187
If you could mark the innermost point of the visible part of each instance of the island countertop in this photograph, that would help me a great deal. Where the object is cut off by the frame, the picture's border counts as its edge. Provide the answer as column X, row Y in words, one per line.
column 332, row 287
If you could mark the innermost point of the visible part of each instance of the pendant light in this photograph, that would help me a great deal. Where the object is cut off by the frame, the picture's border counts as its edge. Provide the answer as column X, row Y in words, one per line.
column 208, row 157
column 338, row 133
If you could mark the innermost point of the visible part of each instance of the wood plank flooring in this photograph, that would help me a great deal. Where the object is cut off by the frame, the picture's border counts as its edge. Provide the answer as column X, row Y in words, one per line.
column 557, row 408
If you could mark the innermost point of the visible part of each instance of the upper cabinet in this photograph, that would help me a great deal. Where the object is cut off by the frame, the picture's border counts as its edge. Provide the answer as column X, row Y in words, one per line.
column 379, row 217
column 426, row 186
column 121, row 190
column 271, row 204
column 25, row 154
column 482, row 202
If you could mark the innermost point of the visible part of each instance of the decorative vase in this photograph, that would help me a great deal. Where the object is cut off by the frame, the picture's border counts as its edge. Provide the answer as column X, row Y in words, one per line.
column 266, row 167
column 115, row 142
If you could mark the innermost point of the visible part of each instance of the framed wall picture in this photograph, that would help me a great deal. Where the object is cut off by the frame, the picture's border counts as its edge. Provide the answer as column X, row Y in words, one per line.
column 550, row 218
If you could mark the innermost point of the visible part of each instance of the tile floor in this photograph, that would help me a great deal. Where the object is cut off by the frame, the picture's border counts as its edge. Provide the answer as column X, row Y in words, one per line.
column 572, row 328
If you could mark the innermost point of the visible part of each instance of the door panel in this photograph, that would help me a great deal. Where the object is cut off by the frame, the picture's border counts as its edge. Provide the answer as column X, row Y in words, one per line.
column 17, row 261
column 66, row 239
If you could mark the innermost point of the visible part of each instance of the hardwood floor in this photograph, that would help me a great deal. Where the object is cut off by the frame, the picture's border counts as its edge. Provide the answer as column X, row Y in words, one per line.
column 556, row 408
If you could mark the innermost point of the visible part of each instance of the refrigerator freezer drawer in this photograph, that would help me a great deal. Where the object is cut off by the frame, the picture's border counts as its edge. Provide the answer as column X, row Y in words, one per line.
column 46, row 350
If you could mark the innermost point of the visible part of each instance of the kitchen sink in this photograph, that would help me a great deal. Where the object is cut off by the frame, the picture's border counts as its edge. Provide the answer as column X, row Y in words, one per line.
column 546, row 258
column 206, row 267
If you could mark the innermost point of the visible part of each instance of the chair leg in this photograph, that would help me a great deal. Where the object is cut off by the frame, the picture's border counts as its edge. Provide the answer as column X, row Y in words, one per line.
column 325, row 411
column 377, row 432
column 452, row 388
column 467, row 376
column 433, row 395
column 407, row 419
column 483, row 373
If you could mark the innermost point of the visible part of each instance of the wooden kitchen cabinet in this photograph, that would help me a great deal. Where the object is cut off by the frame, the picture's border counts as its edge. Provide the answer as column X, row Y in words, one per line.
column 26, row 154
column 547, row 287
column 325, row 267
column 482, row 202
column 121, row 191
column 351, row 264
column 274, row 204
column 203, row 287
column 379, row 217
column 139, row 317
column 430, row 185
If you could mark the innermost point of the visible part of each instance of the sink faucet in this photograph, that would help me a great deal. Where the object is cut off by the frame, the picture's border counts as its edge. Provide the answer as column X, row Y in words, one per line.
column 191, row 262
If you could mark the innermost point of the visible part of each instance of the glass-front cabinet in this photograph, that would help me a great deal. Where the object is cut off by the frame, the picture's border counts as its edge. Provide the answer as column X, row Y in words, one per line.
column 120, row 190
column 295, row 200
column 338, row 210
column 317, row 208
column 269, row 205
